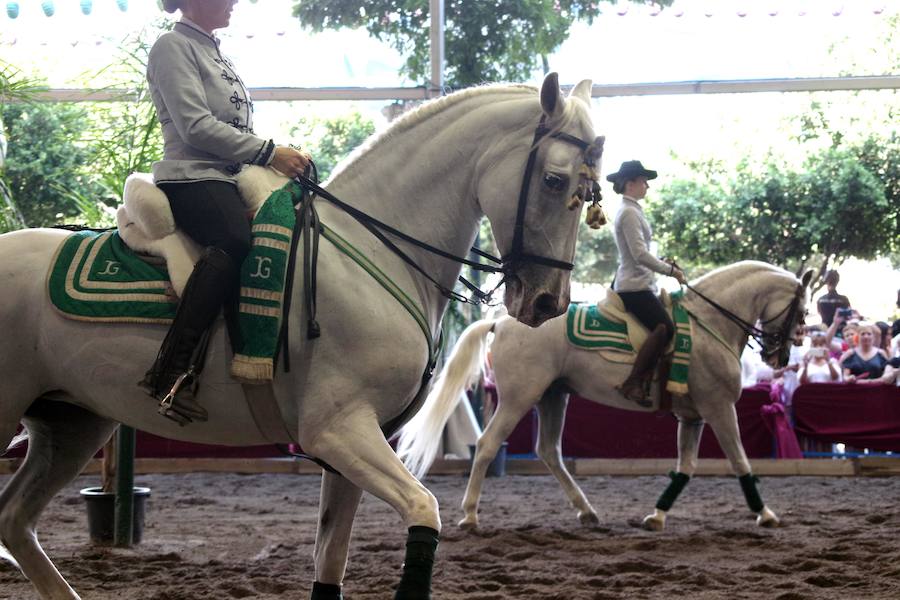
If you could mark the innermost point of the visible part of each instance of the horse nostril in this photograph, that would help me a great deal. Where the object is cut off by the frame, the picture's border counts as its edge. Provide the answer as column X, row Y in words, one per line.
column 545, row 304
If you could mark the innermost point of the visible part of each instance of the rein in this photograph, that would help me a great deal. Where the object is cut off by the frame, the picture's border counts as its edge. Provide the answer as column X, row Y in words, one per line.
column 774, row 340
column 506, row 265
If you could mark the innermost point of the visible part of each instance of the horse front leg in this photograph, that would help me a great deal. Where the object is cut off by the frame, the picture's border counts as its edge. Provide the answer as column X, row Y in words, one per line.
column 502, row 423
column 724, row 424
column 338, row 503
column 355, row 446
column 552, row 419
column 689, row 432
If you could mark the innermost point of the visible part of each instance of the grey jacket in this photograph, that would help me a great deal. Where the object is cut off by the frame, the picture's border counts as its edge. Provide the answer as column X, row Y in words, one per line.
column 204, row 109
column 636, row 263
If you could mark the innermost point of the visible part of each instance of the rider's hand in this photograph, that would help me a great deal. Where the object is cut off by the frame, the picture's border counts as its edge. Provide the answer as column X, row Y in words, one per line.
column 679, row 275
column 290, row 161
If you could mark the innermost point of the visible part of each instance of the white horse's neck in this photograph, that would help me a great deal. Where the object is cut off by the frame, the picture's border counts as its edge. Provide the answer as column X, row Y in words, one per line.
column 746, row 289
column 420, row 175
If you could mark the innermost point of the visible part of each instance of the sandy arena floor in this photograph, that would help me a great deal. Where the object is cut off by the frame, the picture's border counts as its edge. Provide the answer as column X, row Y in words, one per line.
column 215, row 536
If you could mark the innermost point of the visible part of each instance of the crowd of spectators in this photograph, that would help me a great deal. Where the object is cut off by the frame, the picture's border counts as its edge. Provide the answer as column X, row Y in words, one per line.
column 846, row 347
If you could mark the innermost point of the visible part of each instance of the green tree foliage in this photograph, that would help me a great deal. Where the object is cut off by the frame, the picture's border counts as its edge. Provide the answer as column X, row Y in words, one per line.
column 125, row 137
column 46, row 159
column 596, row 257
column 485, row 40
column 837, row 206
column 332, row 140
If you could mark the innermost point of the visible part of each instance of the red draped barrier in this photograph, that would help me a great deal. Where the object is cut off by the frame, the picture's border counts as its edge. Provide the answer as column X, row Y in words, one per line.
column 861, row 415
column 596, row 431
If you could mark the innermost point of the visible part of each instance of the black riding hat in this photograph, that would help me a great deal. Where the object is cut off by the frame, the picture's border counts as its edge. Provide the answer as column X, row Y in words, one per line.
column 631, row 169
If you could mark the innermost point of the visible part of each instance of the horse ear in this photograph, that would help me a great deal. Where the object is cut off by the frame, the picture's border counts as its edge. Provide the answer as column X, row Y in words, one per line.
column 807, row 277
column 583, row 90
column 552, row 100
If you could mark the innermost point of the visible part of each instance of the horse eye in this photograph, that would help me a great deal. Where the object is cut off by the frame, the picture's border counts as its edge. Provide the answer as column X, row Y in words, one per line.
column 557, row 183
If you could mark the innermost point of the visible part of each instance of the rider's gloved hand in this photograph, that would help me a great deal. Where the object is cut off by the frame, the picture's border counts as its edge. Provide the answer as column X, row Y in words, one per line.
column 290, row 161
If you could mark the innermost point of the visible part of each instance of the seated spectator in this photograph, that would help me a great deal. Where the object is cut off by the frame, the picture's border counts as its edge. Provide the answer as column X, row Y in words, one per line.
column 818, row 365
column 831, row 301
column 865, row 362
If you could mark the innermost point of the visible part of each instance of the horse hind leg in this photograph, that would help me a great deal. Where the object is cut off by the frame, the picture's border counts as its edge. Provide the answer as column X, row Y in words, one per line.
column 725, row 425
column 689, row 432
column 551, row 419
column 62, row 439
column 502, row 423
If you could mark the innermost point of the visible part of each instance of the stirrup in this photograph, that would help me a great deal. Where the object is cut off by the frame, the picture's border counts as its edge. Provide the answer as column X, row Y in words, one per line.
column 168, row 407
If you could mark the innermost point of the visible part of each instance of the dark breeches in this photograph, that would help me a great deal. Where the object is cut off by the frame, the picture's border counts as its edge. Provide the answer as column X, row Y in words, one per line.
column 212, row 214
column 645, row 305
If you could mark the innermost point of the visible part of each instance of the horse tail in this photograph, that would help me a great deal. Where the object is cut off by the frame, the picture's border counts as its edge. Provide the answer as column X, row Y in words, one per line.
column 420, row 437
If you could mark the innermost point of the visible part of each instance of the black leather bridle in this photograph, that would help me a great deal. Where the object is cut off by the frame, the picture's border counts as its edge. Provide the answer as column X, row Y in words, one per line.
column 771, row 343
column 507, row 265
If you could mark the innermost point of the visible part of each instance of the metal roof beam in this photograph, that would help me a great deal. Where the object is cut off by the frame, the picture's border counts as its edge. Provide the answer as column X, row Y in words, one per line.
column 738, row 86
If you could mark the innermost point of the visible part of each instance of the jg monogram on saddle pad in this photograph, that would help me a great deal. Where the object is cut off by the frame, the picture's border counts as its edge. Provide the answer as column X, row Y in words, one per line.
column 96, row 277
column 600, row 327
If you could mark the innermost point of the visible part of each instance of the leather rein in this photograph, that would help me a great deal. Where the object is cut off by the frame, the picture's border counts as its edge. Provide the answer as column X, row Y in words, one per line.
column 771, row 342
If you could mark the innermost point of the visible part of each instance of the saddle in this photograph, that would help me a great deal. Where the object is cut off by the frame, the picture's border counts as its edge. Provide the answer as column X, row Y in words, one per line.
column 613, row 309
column 147, row 226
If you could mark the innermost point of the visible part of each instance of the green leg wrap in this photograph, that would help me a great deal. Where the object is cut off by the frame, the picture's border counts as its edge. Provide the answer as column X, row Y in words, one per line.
column 418, row 564
column 751, row 494
column 326, row 591
column 668, row 497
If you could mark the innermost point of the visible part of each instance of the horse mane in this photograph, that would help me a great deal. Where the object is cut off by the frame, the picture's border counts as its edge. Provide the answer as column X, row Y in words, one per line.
column 742, row 269
column 576, row 112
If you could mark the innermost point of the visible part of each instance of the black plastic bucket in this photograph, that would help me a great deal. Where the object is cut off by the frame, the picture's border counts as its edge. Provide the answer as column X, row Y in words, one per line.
column 101, row 511
column 497, row 467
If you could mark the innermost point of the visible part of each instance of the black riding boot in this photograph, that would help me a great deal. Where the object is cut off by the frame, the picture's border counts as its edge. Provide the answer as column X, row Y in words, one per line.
column 637, row 386
column 172, row 378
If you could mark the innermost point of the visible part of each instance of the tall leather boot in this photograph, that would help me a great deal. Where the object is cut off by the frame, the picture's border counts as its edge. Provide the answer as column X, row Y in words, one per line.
column 172, row 378
column 638, row 383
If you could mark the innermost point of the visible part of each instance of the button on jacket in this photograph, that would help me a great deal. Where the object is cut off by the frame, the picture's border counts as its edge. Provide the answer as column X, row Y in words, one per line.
column 636, row 263
column 204, row 109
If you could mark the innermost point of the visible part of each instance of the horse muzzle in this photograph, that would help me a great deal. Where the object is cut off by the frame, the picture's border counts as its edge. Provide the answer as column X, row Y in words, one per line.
column 534, row 306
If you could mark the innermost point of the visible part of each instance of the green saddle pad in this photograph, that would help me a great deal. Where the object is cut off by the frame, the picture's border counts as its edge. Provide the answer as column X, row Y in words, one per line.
column 96, row 277
column 588, row 328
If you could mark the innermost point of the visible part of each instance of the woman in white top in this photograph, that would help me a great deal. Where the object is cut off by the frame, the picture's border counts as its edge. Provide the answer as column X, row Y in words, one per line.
column 635, row 278
column 818, row 366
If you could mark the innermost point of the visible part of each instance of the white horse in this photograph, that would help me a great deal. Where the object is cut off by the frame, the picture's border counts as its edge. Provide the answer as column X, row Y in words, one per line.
column 539, row 367
column 433, row 175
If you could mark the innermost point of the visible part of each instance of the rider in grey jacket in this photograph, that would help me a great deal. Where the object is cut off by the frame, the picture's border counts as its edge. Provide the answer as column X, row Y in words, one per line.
column 206, row 116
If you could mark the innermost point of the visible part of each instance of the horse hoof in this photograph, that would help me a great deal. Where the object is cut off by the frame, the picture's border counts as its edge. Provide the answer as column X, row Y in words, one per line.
column 468, row 524
column 589, row 519
column 767, row 519
column 653, row 523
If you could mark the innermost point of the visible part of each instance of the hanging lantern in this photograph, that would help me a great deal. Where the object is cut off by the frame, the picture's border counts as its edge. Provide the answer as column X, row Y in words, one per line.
column 12, row 9
column 48, row 8
column 122, row 4
column 86, row 6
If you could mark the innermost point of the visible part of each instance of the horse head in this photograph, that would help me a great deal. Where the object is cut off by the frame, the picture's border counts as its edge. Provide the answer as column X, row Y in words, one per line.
column 782, row 320
column 537, row 237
